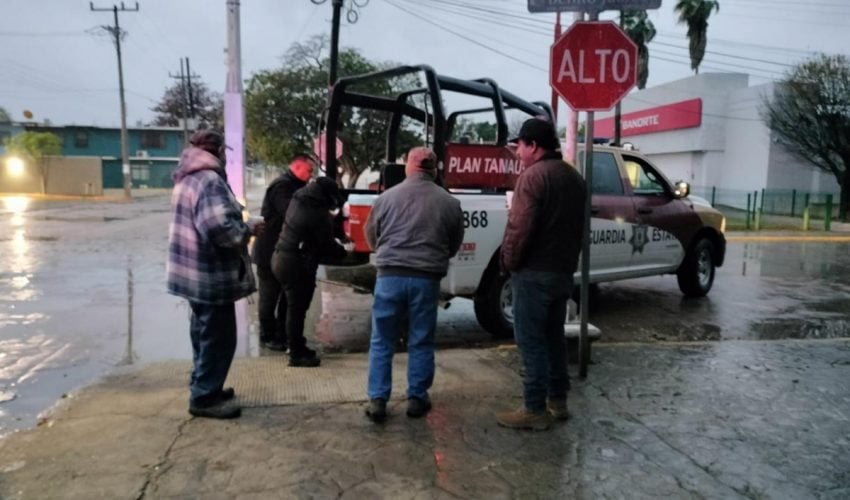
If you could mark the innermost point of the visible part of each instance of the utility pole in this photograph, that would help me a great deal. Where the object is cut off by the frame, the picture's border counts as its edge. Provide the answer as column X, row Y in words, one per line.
column 351, row 15
column 234, row 112
column 183, row 100
column 116, row 34
column 187, row 99
column 191, row 91
column 555, row 98
column 617, row 109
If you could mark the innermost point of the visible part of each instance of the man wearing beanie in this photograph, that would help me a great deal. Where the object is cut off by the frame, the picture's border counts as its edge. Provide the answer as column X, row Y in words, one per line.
column 208, row 265
column 414, row 227
column 540, row 250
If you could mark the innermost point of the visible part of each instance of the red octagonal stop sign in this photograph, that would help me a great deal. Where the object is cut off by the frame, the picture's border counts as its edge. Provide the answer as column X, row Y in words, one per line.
column 593, row 65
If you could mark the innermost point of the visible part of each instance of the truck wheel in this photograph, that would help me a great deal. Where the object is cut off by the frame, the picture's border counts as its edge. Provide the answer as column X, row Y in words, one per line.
column 494, row 306
column 696, row 274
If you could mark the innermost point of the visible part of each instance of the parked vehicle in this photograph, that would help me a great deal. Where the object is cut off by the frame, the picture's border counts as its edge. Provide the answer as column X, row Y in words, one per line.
column 642, row 224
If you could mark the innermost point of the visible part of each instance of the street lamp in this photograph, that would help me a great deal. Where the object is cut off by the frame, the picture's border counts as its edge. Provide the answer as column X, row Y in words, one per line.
column 15, row 166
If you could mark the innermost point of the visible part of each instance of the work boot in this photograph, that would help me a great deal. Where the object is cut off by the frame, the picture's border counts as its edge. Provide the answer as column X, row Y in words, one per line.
column 304, row 357
column 226, row 394
column 417, row 407
column 221, row 409
column 377, row 410
column 557, row 407
column 524, row 419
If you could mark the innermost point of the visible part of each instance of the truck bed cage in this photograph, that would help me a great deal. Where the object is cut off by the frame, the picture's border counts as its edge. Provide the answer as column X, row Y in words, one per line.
column 433, row 117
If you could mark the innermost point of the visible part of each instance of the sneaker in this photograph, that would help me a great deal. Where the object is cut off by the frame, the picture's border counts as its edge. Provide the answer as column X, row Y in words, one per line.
column 301, row 360
column 557, row 407
column 417, row 407
column 377, row 410
column 223, row 410
column 524, row 419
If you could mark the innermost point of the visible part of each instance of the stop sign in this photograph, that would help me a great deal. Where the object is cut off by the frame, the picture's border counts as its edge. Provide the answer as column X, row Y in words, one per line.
column 319, row 147
column 593, row 65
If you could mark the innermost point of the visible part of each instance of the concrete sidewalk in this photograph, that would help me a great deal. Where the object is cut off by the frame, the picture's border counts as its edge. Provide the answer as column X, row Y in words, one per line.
column 713, row 420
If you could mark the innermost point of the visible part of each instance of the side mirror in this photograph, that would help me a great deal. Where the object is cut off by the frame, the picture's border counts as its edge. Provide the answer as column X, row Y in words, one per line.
column 681, row 190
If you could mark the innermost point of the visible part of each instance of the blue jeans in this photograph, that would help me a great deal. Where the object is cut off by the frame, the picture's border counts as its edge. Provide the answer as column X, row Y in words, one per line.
column 213, row 331
column 398, row 298
column 540, row 308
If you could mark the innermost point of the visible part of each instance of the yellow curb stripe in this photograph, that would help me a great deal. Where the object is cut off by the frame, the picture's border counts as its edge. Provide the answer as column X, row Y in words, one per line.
column 780, row 239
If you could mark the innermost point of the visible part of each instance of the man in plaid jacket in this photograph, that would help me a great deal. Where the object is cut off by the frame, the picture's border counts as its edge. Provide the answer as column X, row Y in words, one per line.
column 208, row 265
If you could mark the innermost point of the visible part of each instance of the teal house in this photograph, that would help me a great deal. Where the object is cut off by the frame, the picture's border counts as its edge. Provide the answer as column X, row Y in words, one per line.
column 153, row 151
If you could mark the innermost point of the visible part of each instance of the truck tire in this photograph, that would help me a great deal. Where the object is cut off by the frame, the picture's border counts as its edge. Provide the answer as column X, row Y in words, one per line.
column 696, row 274
column 494, row 305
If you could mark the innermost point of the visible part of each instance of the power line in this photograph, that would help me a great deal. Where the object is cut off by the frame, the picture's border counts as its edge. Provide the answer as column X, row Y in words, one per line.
column 504, row 54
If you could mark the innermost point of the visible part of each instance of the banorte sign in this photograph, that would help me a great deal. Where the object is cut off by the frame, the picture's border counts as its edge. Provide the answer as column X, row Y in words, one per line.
column 593, row 65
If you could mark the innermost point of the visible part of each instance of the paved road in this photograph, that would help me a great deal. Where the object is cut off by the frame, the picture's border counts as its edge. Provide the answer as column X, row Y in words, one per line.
column 82, row 292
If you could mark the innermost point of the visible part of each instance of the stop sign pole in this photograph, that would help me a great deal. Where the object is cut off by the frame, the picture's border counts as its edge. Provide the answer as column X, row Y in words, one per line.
column 593, row 66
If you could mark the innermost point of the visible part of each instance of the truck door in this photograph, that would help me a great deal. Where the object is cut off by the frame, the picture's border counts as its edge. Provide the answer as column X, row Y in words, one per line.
column 612, row 213
column 663, row 225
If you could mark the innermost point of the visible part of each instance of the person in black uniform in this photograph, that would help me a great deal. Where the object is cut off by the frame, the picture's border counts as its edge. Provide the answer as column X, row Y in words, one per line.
column 272, row 303
column 306, row 240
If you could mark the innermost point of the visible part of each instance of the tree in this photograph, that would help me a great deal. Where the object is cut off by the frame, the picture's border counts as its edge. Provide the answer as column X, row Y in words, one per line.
column 4, row 116
column 283, row 107
column 208, row 105
column 640, row 29
column 695, row 14
column 36, row 147
column 810, row 115
column 474, row 131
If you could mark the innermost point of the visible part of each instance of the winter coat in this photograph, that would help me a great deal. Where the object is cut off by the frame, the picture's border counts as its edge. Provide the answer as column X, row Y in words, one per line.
column 546, row 219
column 415, row 228
column 308, row 227
column 207, row 241
column 275, row 203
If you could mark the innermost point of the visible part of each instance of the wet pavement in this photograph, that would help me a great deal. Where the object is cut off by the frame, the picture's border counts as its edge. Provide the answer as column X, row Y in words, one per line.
column 82, row 293
column 724, row 420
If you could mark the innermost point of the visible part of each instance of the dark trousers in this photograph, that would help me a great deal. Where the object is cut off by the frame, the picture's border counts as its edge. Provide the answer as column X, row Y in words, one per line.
column 271, row 306
column 297, row 276
column 540, row 308
column 213, row 331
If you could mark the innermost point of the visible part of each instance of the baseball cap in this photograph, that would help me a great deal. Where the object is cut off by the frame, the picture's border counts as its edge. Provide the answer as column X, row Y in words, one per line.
column 540, row 131
column 421, row 158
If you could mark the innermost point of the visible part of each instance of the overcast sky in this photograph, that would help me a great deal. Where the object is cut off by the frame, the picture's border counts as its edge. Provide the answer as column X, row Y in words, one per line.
column 53, row 62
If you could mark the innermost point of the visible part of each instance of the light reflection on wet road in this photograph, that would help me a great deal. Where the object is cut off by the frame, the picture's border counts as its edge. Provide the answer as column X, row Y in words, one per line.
column 82, row 291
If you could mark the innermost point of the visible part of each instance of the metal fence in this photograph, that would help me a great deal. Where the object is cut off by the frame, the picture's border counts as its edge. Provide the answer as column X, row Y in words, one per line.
column 772, row 208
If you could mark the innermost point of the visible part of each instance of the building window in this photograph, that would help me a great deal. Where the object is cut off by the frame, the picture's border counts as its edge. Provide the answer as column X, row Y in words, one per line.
column 152, row 140
column 141, row 173
column 81, row 139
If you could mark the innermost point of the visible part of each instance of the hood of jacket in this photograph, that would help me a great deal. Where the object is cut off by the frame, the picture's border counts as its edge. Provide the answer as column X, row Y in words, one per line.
column 194, row 159
column 318, row 195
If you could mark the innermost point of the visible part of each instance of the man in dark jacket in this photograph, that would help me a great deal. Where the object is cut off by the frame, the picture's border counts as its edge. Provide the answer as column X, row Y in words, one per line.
column 415, row 228
column 540, row 250
column 208, row 265
column 307, row 239
column 272, row 303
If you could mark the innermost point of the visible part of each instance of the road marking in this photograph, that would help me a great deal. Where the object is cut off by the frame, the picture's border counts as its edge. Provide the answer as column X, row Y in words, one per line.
column 780, row 239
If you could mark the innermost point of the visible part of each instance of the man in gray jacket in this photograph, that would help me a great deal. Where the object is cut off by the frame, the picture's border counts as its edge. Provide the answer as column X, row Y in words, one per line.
column 414, row 228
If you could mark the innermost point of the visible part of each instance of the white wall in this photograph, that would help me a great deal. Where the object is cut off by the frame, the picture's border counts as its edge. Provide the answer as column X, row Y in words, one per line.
column 747, row 141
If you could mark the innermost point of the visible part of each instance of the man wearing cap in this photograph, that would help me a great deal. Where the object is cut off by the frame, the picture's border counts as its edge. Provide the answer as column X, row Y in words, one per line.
column 208, row 264
column 271, row 307
column 540, row 250
column 306, row 240
column 414, row 227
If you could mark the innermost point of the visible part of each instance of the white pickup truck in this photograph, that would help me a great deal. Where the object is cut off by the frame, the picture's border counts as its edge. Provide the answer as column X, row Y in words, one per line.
column 641, row 224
